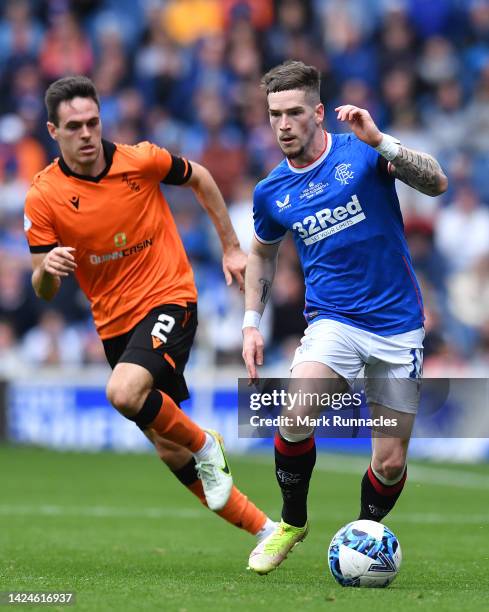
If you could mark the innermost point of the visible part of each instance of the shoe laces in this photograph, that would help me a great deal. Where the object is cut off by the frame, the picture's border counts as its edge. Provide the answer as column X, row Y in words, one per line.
column 207, row 471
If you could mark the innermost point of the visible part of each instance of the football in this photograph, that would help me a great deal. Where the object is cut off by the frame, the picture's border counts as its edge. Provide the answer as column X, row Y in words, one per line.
column 364, row 554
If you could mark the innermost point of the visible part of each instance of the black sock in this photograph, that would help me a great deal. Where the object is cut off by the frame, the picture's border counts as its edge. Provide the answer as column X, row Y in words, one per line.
column 187, row 474
column 294, row 462
column 378, row 499
column 149, row 410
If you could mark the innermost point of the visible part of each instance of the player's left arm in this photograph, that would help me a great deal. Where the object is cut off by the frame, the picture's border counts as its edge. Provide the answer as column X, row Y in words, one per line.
column 416, row 169
column 210, row 198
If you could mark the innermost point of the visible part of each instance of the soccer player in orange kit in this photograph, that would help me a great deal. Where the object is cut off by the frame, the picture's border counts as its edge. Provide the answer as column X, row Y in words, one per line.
column 98, row 212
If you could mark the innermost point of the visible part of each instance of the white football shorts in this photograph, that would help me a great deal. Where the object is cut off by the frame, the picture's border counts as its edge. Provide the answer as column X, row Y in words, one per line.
column 392, row 364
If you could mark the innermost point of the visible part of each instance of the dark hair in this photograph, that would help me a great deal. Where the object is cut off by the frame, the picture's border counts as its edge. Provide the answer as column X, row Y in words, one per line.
column 66, row 89
column 292, row 75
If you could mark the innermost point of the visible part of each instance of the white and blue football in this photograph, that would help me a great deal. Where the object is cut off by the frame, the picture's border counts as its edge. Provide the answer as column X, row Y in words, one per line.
column 364, row 554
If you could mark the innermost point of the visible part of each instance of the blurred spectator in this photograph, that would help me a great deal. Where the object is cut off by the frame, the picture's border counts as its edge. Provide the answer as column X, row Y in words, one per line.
column 405, row 126
column 477, row 36
column 469, row 294
column 241, row 211
column 52, row 343
column 341, row 18
column 21, row 156
column 243, row 55
column 480, row 358
column 113, row 56
column 11, row 360
column 196, row 243
column 358, row 93
column 65, row 49
column 222, row 152
column 188, row 20
column 431, row 17
column 398, row 91
column 18, row 303
column 259, row 13
column 261, row 146
column 462, row 229
column 106, row 82
column 159, row 64
column 439, row 62
column 293, row 21
column 83, row 8
column 12, row 239
column 397, row 46
column 126, row 17
column 209, row 70
column 166, row 131
column 352, row 57
column 20, row 34
column 442, row 356
column 288, row 322
column 478, row 115
column 126, row 132
column 424, row 255
column 223, row 307
column 93, row 349
column 26, row 92
column 446, row 116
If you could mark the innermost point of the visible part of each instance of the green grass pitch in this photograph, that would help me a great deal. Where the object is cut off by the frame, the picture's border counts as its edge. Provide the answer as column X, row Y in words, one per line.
column 125, row 535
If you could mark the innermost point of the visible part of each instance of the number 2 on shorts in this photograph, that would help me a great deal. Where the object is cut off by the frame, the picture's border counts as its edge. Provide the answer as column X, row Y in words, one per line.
column 163, row 326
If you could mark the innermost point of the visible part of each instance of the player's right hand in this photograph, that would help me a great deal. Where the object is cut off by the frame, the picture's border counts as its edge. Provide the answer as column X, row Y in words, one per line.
column 60, row 261
column 252, row 352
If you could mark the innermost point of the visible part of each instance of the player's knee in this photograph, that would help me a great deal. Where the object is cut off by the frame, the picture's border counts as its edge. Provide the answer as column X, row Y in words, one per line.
column 126, row 399
column 392, row 467
column 296, row 434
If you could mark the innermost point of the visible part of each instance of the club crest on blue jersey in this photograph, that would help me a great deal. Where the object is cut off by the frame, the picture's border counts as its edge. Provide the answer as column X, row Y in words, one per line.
column 343, row 174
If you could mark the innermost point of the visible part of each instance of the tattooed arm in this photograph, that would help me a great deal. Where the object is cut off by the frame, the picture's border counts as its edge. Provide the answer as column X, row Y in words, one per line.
column 260, row 271
column 419, row 170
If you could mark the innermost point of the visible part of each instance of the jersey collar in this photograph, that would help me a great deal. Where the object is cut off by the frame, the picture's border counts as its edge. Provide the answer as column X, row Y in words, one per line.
column 109, row 150
column 319, row 160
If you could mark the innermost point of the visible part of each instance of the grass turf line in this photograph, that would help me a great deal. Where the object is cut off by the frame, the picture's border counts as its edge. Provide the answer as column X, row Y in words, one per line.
column 129, row 557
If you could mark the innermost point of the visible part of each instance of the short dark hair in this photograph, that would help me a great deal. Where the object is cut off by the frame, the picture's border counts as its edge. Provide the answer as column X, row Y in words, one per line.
column 292, row 75
column 66, row 89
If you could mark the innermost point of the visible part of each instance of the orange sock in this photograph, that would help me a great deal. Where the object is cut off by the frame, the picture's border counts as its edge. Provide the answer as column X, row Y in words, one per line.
column 239, row 510
column 174, row 425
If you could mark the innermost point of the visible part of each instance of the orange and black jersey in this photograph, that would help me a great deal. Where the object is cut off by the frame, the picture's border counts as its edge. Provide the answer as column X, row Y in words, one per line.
column 129, row 255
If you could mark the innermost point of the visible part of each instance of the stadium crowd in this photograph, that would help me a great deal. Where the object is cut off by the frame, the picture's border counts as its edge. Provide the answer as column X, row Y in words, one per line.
column 185, row 74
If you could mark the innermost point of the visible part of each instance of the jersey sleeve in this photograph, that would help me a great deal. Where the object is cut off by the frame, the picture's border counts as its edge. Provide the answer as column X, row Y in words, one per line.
column 38, row 226
column 375, row 160
column 180, row 171
column 164, row 167
column 267, row 230
column 369, row 153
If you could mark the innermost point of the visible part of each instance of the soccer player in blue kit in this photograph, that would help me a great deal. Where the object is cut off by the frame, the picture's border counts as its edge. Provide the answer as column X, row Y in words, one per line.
column 336, row 194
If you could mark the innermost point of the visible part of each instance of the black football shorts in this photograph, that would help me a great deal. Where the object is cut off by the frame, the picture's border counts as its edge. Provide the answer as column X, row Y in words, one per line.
column 161, row 343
